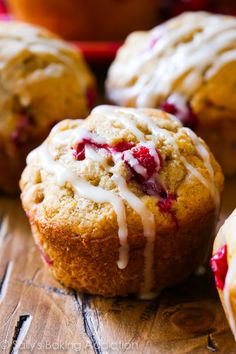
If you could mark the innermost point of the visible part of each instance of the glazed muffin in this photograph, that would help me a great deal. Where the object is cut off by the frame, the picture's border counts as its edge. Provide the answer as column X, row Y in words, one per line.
column 43, row 80
column 124, row 202
column 223, row 264
column 187, row 67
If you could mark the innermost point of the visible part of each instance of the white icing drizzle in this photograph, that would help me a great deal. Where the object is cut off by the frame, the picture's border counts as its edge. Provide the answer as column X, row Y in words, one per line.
column 156, row 72
column 148, row 222
column 114, row 113
column 226, row 293
column 84, row 189
column 129, row 124
column 146, row 216
column 133, row 162
column 210, row 185
column 72, row 136
column 19, row 39
column 204, row 154
column 221, row 236
column 94, row 155
column 179, row 102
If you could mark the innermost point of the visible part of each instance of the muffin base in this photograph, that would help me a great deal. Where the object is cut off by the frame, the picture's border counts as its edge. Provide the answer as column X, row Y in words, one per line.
column 89, row 265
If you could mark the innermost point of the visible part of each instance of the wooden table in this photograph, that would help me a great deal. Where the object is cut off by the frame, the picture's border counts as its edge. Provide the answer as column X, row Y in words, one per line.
column 38, row 315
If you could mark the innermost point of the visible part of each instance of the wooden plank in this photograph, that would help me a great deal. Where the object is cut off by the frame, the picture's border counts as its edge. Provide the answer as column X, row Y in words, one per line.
column 31, row 291
column 38, row 315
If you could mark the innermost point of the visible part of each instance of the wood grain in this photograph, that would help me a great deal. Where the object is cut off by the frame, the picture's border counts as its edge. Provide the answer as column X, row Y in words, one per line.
column 38, row 315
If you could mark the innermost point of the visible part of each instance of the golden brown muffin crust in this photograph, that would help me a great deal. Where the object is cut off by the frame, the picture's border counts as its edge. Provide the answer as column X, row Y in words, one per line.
column 80, row 234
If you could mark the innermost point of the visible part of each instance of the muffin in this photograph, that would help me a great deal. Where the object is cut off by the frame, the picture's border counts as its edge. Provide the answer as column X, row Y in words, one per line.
column 90, row 19
column 223, row 264
column 187, row 67
column 43, row 80
column 122, row 203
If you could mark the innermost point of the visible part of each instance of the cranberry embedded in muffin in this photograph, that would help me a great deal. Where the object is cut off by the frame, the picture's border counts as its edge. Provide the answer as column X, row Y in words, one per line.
column 122, row 203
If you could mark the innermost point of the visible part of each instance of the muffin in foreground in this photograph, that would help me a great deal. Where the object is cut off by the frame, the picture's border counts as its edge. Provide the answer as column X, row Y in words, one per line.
column 223, row 264
column 122, row 203
column 43, row 80
column 187, row 67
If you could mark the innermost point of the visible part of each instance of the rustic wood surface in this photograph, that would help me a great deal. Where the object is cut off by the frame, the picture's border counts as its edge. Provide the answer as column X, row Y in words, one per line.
column 38, row 315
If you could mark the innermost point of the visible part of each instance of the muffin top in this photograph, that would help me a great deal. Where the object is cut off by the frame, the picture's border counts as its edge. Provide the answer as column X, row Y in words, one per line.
column 135, row 172
column 33, row 62
column 21, row 42
column 174, row 60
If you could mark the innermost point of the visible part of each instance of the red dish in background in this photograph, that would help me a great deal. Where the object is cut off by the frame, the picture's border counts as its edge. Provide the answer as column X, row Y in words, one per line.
column 98, row 51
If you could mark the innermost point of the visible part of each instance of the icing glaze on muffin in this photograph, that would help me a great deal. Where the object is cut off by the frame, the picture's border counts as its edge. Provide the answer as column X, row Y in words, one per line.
column 185, row 66
column 137, row 163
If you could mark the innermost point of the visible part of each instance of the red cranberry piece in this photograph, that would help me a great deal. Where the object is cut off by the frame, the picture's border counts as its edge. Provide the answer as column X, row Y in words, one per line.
column 165, row 203
column 169, row 107
column 46, row 259
column 153, row 188
column 16, row 138
column 145, row 159
column 142, row 154
column 123, row 146
column 219, row 266
column 165, row 200
column 21, row 133
column 186, row 115
column 79, row 151
column 96, row 145
column 91, row 97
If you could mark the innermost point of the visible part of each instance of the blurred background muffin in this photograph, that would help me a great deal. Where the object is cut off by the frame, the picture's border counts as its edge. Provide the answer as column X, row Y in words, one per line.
column 187, row 67
column 42, row 80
